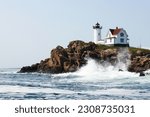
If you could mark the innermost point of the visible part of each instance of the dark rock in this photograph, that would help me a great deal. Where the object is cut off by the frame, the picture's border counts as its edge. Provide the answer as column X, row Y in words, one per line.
column 147, row 56
column 75, row 44
column 139, row 64
column 32, row 68
column 142, row 74
column 91, row 54
column 108, row 53
column 68, row 67
column 59, row 56
column 120, row 70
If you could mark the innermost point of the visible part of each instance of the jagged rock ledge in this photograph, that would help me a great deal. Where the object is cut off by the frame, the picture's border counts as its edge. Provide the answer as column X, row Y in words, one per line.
column 73, row 57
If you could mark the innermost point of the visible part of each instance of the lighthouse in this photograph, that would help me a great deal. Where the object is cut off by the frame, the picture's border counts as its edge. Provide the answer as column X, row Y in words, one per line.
column 97, row 33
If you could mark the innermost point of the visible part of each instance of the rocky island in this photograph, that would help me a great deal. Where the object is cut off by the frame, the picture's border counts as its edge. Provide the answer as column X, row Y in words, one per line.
column 76, row 54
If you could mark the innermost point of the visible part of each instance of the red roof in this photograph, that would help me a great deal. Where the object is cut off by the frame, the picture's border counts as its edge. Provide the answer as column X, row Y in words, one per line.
column 115, row 31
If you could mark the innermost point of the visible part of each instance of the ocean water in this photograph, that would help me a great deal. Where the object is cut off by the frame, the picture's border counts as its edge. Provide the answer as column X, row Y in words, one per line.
column 92, row 82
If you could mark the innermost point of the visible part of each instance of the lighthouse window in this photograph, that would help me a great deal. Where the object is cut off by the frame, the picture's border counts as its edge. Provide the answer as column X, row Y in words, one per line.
column 98, row 33
column 122, row 40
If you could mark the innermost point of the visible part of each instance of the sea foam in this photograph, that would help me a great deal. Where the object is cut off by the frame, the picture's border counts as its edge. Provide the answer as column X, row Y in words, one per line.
column 94, row 71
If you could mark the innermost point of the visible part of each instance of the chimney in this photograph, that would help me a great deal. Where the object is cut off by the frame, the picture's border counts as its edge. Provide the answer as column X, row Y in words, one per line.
column 117, row 28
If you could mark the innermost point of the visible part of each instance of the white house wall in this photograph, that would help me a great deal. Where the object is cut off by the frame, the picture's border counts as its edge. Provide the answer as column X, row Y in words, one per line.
column 109, row 35
column 118, row 41
column 109, row 41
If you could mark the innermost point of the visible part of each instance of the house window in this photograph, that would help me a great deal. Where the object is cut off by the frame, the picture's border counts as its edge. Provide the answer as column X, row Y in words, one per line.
column 110, row 40
column 121, row 34
column 122, row 40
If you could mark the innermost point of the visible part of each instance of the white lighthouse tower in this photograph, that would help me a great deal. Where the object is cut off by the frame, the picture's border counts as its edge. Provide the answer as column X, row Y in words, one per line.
column 97, row 33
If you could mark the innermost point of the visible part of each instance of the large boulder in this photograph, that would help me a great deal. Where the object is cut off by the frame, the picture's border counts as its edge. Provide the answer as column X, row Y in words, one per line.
column 69, row 67
column 80, row 46
column 139, row 64
column 59, row 56
column 45, row 66
column 76, row 44
column 108, row 53
column 32, row 68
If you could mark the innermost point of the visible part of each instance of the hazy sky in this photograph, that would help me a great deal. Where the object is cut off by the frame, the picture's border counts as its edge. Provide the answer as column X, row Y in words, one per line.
column 29, row 29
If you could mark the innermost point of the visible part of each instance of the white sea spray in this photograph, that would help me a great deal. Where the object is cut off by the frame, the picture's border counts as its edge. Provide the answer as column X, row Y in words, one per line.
column 96, row 72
